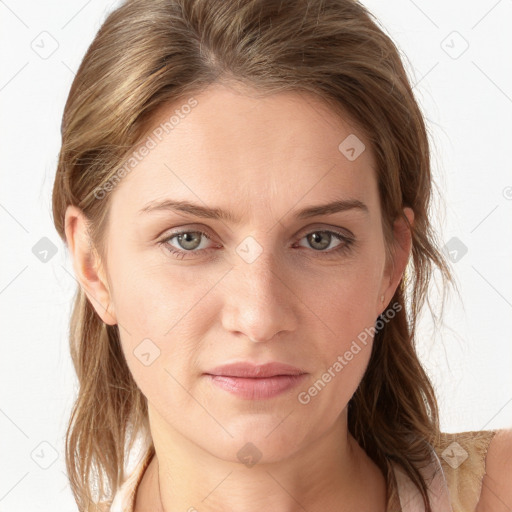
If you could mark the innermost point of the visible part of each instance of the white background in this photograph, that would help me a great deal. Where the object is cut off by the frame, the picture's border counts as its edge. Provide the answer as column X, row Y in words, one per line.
column 467, row 100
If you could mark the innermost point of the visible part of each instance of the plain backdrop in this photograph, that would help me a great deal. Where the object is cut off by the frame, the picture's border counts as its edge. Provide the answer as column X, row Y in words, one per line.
column 457, row 55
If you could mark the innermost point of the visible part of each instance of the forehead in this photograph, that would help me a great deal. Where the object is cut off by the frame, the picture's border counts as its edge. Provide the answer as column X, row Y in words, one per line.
column 232, row 145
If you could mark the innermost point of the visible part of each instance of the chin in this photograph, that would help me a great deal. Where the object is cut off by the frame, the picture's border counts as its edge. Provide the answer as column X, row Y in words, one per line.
column 260, row 440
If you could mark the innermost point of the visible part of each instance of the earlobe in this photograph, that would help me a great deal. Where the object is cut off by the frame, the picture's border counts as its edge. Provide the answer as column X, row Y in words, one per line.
column 402, row 240
column 87, row 265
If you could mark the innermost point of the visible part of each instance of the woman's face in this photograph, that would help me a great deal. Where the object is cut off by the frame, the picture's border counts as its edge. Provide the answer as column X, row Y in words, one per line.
column 264, row 284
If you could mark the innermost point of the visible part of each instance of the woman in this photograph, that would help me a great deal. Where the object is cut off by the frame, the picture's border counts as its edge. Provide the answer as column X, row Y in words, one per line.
column 242, row 187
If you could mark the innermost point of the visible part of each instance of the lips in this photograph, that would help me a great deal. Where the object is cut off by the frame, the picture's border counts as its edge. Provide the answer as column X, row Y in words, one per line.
column 249, row 370
column 256, row 382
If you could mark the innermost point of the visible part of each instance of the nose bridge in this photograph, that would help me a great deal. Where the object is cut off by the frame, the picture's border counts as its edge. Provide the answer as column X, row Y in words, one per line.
column 263, row 277
column 261, row 302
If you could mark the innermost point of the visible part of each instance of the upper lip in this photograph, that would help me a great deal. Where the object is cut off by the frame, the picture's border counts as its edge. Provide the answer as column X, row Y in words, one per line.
column 250, row 370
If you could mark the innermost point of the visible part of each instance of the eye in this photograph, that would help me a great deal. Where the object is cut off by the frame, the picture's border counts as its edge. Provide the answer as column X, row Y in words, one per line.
column 322, row 240
column 188, row 241
column 319, row 240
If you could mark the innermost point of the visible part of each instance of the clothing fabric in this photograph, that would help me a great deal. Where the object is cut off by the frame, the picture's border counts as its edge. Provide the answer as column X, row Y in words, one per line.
column 455, row 476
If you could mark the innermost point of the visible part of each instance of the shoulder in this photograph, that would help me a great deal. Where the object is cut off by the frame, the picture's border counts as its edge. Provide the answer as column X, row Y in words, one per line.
column 496, row 495
column 478, row 469
column 462, row 456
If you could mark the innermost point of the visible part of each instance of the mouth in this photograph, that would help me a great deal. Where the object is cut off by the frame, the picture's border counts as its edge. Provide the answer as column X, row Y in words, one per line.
column 256, row 382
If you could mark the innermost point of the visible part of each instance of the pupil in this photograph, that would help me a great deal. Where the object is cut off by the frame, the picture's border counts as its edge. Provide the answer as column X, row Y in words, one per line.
column 317, row 237
column 188, row 238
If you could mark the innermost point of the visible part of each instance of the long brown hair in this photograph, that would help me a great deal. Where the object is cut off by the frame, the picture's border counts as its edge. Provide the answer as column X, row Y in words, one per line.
column 153, row 52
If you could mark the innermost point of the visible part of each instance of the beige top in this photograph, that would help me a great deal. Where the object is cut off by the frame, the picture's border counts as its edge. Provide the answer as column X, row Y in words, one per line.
column 459, row 467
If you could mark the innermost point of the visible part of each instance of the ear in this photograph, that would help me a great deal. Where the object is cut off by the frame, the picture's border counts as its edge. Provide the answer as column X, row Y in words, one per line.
column 402, row 243
column 87, row 265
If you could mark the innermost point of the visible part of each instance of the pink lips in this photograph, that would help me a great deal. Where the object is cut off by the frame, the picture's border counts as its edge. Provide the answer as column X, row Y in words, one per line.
column 256, row 382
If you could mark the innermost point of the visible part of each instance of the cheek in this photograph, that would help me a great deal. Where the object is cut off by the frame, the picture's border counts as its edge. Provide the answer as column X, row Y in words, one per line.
column 152, row 295
column 343, row 348
column 348, row 299
column 161, row 318
column 348, row 317
column 346, row 345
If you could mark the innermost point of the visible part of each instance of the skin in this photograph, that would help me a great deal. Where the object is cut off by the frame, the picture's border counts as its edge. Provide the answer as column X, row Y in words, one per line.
column 496, row 494
column 263, row 159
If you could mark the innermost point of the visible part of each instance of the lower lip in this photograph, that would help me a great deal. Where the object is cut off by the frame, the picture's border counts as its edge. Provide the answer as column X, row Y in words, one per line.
column 257, row 388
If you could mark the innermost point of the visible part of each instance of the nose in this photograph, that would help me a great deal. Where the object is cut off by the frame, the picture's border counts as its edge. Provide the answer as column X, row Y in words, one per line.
column 260, row 300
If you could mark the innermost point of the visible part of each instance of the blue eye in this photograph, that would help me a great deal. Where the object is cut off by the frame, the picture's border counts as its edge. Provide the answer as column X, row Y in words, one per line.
column 191, row 240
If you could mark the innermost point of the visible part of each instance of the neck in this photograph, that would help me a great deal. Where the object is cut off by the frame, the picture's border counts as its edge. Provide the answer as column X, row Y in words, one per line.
column 332, row 473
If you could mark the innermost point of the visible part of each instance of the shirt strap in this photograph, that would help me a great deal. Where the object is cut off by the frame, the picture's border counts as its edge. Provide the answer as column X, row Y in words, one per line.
column 438, row 493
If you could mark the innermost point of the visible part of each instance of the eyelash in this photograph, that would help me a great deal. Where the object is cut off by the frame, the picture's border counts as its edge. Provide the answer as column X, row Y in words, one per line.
column 341, row 249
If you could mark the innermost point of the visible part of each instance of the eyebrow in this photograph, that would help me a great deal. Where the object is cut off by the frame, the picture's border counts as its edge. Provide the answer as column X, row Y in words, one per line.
column 219, row 214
